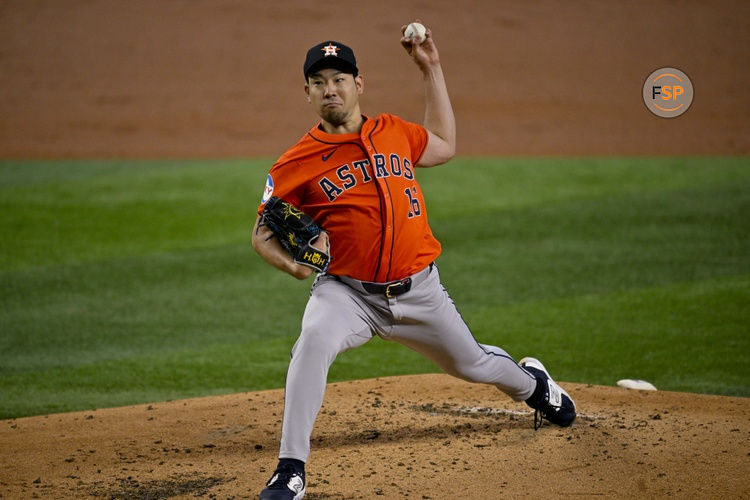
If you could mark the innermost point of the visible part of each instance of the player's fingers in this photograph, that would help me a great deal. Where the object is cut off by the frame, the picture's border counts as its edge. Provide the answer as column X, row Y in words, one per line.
column 428, row 31
column 405, row 42
column 322, row 243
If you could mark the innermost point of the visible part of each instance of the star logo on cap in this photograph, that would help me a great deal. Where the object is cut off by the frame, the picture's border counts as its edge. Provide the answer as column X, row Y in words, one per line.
column 330, row 50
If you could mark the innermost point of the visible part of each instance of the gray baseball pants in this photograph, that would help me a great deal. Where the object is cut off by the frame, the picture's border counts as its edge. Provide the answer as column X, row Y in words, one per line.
column 340, row 316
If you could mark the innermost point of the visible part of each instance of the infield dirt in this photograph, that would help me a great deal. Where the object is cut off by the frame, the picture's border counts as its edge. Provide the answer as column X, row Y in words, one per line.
column 222, row 78
column 422, row 436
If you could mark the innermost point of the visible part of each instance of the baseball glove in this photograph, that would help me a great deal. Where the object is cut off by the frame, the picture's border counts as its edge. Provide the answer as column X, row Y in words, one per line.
column 296, row 232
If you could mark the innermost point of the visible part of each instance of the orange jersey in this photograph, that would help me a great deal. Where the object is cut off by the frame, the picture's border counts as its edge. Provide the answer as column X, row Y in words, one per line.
column 363, row 190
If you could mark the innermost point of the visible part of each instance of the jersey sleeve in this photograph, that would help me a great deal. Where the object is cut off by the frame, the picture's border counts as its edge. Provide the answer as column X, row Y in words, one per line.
column 417, row 136
column 282, row 182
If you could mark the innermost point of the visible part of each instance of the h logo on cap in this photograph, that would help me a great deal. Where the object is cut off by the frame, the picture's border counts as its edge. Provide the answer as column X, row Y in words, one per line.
column 330, row 54
column 330, row 50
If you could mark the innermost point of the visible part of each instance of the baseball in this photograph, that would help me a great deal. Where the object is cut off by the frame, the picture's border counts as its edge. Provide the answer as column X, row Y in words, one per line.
column 415, row 32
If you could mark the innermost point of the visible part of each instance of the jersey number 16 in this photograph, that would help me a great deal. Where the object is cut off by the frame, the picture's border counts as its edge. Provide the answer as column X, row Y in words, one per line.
column 414, row 210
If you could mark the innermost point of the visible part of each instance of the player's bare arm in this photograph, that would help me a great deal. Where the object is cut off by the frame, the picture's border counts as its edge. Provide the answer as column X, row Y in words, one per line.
column 267, row 245
column 438, row 116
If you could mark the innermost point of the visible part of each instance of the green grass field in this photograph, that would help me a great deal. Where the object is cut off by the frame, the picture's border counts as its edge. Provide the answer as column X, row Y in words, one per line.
column 124, row 282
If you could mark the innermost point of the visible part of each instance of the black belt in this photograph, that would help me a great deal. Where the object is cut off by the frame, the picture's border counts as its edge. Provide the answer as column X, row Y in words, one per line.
column 390, row 290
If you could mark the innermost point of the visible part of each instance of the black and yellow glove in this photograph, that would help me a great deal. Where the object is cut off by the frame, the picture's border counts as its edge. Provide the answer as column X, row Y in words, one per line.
column 296, row 232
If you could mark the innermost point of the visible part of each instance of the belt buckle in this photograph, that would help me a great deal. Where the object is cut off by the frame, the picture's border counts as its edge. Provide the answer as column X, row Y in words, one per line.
column 399, row 286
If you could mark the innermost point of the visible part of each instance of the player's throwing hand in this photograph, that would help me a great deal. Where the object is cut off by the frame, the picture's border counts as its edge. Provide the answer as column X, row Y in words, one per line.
column 423, row 52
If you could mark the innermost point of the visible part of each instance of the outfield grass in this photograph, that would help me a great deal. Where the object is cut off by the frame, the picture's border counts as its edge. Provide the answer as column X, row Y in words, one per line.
column 126, row 282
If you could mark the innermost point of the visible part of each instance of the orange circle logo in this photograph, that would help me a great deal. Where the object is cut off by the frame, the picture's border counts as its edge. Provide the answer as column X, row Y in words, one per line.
column 668, row 92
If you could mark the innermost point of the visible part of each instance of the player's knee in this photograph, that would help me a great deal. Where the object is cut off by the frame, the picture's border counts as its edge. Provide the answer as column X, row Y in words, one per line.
column 464, row 374
column 317, row 342
column 470, row 372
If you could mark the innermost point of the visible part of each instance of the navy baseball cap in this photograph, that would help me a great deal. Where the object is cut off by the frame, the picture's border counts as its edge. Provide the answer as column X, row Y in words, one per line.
column 330, row 54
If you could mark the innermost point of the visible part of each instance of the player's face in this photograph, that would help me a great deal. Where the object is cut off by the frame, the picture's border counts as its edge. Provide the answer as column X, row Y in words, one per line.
column 334, row 95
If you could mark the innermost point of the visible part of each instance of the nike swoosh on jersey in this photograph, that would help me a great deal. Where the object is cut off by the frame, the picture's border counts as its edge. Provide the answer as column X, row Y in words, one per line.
column 325, row 157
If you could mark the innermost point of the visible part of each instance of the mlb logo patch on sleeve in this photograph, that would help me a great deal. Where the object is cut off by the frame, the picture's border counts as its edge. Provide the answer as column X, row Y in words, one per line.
column 268, row 190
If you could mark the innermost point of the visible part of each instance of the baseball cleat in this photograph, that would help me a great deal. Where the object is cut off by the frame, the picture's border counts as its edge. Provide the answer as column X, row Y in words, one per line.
column 553, row 403
column 287, row 483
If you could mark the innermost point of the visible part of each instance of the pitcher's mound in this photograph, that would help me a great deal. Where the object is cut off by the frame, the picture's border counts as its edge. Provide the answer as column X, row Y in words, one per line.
column 423, row 436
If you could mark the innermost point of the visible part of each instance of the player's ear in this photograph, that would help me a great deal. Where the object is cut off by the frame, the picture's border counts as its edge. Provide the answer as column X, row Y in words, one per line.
column 360, row 83
column 307, row 92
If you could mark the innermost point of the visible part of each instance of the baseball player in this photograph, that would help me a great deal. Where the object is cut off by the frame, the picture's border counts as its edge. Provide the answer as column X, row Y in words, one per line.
column 356, row 177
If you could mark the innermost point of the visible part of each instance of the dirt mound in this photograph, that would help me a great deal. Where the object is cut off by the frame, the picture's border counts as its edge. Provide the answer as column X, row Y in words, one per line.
column 424, row 436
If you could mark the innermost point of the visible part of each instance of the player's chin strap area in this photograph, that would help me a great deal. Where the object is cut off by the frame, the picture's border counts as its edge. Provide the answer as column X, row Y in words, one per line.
column 391, row 289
